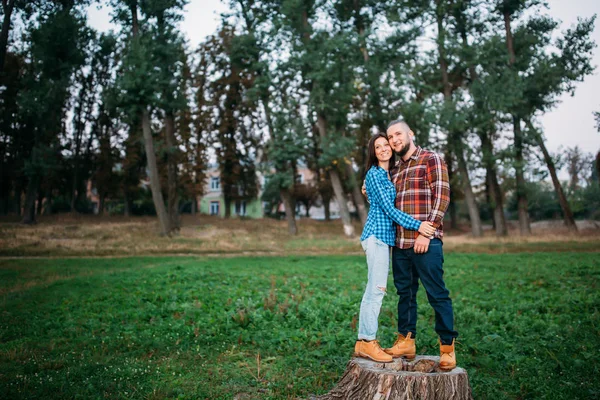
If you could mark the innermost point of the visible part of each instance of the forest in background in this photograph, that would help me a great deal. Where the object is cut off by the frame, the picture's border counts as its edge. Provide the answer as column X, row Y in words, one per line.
column 284, row 84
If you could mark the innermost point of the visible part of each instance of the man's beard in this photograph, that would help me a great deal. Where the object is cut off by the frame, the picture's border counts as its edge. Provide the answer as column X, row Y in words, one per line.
column 402, row 152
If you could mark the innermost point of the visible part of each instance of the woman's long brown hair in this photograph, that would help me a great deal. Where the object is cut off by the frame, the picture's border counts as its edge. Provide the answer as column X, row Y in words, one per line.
column 371, row 157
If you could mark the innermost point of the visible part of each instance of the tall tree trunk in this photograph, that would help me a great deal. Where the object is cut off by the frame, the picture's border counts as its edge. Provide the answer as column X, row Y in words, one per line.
column 452, row 206
column 336, row 183
column 598, row 166
column 76, row 167
column 30, row 197
column 7, row 9
column 493, row 185
column 135, row 27
column 334, row 176
column 340, row 197
column 489, row 201
column 325, row 195
column 101, row 200
column 454, row 138
column 39, row 203
column 359, row 200
column 127, row 205
column 172, row 198
column 500, row 226
column 3, row 204
column 524, row 226
column 285, row 193
column 360, row 29
column 194, row 209
column 227, row 202
column 135, row 32
column 509, row 38
column 562, row 199
column 131, row 172
column 157, row 196
column 290, row 217
column 476, row 228
column 17, row 199
column 441, row 37
column 83, row 113
column 48, row 203
column 327, row 210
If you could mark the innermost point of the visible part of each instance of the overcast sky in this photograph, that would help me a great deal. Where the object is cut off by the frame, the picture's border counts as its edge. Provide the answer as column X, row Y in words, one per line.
column 571, row 123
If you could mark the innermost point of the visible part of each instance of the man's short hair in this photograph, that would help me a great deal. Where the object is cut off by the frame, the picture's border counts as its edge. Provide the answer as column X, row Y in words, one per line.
column 402, row 122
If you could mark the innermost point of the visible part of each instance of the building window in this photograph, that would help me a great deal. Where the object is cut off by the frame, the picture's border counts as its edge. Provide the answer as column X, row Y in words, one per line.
column 214, row 208
column 240, row 208
column 299, row 178
column 215, row 184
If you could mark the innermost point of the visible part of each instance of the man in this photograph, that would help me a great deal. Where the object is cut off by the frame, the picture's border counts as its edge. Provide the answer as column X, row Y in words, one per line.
column 422, row 191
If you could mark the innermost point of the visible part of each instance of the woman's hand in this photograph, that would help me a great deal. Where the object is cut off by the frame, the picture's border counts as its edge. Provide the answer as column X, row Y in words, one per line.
column 427, row 229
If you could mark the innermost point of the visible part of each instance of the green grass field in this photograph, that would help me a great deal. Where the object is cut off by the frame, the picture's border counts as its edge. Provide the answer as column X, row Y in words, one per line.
column 283, row 327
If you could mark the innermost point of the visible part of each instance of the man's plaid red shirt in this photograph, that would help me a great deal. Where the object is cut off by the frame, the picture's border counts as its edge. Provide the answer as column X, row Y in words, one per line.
column 422, row 191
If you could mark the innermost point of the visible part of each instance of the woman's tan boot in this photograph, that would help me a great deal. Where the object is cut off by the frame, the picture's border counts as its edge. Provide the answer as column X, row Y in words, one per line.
column 370, row 350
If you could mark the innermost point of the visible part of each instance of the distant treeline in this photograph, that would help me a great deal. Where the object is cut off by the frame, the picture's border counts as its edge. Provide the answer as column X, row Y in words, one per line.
column 283, row 84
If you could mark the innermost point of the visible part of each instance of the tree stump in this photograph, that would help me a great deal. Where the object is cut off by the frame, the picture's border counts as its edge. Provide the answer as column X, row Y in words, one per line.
column 400, row 379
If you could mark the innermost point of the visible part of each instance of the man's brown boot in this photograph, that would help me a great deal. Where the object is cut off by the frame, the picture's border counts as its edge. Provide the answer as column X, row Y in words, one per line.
column 403, row 347
column 370, row 350
column 447, row 356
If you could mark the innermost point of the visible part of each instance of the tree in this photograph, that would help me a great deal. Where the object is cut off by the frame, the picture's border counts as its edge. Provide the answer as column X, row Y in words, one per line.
column 13, row 138
column 509, row 10
column 193, row 128
column 326, row 69
column 577, row 163
column 142, row 80
column 234, row 132
column 169, row 60
column 286, row 147
column 455, row 121
column 358, row 20
column 552, row 75
column 485, row 63
column 79, row 140
column 9, row 8
column 283, row 148
column 55, row 52
column 597, row 116
column 106, row 123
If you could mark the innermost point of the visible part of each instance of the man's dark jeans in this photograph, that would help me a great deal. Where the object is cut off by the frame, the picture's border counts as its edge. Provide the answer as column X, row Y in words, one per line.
column 408, row 268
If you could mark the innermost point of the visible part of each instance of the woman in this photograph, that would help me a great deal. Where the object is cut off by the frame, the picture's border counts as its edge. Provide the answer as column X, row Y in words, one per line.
column 378, row 235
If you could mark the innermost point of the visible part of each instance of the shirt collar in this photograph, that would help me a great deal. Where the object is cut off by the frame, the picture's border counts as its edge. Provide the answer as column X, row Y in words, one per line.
column 415, row 156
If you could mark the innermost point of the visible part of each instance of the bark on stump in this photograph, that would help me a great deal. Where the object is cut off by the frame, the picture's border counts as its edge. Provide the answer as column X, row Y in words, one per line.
column 400, row 380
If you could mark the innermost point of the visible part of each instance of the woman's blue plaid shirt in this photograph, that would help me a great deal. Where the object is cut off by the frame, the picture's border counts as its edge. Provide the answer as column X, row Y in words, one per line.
column 382, row 212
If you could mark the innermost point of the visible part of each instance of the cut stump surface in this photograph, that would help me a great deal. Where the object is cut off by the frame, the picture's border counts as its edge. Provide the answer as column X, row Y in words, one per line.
column 400, row 379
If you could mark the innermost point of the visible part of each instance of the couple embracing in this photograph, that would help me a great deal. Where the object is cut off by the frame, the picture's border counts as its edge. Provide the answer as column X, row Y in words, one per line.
column 408, row 200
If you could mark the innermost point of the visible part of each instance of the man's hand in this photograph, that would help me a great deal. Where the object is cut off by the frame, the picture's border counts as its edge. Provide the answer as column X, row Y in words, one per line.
column 421, row 244
column 427, row 229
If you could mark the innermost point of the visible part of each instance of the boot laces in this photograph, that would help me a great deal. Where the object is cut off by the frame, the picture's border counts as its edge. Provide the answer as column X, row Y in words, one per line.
column 377, row 346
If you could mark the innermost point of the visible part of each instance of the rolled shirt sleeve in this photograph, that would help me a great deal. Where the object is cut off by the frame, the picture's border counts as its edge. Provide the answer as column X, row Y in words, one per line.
column 437, row 175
